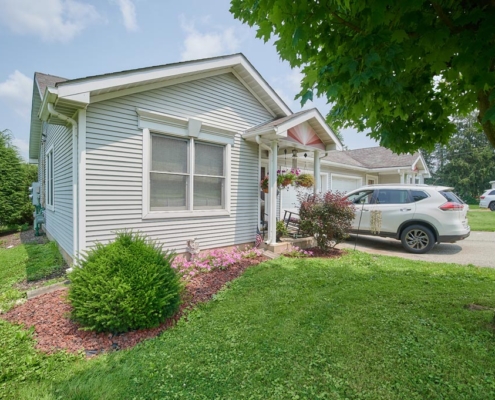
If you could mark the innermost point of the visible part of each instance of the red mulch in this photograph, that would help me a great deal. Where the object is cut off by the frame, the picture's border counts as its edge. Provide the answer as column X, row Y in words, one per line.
column 49, row 314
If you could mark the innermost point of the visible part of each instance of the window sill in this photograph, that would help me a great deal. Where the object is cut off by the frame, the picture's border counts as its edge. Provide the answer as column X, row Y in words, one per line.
column 49, row 207
column 185, row 214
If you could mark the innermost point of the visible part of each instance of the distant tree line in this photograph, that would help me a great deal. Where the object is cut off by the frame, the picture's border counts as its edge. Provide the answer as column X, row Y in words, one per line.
column 15, row 178
column 466, row 163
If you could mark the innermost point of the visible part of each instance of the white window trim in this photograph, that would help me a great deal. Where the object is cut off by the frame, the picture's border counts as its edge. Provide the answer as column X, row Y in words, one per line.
column 374, row 177
column 148, row 214
column 48, row 184
column 357, row 178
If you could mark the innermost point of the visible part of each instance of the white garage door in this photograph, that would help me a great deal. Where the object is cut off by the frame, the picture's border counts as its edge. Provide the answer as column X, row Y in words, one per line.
column 345, row 184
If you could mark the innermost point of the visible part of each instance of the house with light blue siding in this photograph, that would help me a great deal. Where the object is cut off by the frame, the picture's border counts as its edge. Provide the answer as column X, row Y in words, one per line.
column 174, row 151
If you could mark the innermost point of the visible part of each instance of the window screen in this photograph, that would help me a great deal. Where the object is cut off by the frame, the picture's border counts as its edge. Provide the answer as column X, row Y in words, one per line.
column 209, row 177
column 172, row 179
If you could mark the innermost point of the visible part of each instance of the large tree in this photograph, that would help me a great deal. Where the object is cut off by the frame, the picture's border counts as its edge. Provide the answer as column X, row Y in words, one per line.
column 401, row 69
column 467, row 162
column 15, row 177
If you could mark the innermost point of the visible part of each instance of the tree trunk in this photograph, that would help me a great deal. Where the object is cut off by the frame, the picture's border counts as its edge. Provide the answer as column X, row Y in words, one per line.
column 483, row 106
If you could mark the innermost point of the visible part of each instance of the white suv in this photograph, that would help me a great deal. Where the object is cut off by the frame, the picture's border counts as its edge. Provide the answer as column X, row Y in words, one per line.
column 487, row 199
column 418, row 215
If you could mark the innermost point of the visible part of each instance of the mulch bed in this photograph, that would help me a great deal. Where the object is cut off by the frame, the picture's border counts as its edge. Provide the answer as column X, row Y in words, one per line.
column 332, row 253
column 54, row 330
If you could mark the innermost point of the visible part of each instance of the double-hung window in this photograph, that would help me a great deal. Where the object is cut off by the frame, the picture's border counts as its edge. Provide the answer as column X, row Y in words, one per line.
column 49, row 192
column 186, row 174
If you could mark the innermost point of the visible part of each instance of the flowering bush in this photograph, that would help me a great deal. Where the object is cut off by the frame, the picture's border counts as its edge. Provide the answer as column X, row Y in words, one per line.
column 326, row 216
column 211, row 260
column 297, row 252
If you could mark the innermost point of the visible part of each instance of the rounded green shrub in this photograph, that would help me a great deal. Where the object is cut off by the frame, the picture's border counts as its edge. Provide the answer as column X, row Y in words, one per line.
column 124, row 285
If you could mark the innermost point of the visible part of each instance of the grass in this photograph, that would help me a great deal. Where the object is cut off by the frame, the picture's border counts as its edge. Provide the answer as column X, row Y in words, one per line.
column 26, row 262
column 13, row 228
column 360, row 327
column 481, row 219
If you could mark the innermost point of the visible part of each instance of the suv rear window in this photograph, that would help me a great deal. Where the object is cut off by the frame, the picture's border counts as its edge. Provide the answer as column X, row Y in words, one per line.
column 418, row 195
column 492, row 193
column 450, row 196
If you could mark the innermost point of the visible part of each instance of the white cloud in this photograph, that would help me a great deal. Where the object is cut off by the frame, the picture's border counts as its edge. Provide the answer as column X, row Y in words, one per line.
column 23, row 147
column 128, row 11
column 16, row 92
column 202, row 45
column 52, row 20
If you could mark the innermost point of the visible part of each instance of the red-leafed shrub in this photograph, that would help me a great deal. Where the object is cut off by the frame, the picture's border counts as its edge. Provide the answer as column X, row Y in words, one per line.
column 326, row 216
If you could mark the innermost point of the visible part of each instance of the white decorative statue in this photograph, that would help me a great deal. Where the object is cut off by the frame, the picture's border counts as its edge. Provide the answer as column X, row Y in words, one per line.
column 193, row 248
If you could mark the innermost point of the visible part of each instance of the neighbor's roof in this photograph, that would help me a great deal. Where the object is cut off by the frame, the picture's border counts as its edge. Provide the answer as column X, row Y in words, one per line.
column 372, row 157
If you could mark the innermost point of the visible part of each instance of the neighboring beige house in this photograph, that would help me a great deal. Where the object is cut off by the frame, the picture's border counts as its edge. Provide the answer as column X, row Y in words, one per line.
column 344, row 171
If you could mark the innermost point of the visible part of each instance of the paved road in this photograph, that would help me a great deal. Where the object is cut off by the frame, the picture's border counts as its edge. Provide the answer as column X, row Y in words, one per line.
column 478, row 249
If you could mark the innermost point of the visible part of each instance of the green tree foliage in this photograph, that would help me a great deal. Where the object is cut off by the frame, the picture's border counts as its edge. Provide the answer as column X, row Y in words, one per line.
column 398, row 68
column 467, row 163
column 11, row 181
column 124, row 285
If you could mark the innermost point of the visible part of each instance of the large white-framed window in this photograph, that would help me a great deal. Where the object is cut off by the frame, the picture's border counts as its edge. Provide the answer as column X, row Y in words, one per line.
column 186, row 166
column 49, row 183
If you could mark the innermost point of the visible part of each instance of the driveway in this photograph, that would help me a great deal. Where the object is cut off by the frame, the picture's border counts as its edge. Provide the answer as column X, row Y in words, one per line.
column 478, row 249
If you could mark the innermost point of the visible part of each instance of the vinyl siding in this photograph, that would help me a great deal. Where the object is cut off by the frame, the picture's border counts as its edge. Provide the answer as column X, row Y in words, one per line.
column 59, row 222
column 114, row 159
column 394, row 178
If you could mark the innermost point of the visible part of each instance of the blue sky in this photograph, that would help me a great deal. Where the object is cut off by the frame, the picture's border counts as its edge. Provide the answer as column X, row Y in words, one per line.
column 77, row 38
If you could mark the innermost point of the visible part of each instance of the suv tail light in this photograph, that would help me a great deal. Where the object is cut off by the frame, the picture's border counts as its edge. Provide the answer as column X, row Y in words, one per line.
column 451, row 206
column 482, row 197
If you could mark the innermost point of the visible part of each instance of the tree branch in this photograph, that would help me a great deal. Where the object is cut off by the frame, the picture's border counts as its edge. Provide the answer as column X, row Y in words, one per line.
column 346, row 23
column 445, row 18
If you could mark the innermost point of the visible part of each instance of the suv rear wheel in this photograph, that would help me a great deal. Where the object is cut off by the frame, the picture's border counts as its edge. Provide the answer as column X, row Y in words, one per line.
column 492, row 206
column 417, row 239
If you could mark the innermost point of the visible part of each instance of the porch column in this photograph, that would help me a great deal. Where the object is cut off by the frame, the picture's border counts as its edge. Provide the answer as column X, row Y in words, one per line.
column 402, row 177
column 317, row 187
column 272, row 194
column 421, row 179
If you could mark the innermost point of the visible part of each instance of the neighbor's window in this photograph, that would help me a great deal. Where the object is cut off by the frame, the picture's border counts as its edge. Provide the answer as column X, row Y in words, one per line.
column 49, row 178
column 173, row 177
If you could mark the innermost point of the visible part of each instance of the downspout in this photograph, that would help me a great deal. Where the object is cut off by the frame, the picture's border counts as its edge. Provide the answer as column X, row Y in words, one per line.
column 75, row 209
column 272, row 191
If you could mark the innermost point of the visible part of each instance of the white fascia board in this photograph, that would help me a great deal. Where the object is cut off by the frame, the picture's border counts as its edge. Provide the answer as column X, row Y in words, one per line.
column 51, row 95
column 260, row 81
column 128, row 78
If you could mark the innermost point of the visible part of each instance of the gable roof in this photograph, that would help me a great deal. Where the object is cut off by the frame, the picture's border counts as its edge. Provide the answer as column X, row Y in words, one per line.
column 68, row 96
column 278, row 127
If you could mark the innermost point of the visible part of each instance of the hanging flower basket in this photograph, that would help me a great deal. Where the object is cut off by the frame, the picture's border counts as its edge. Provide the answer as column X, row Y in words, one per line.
column 286, row 177
column 305, row 180
column 264, row 184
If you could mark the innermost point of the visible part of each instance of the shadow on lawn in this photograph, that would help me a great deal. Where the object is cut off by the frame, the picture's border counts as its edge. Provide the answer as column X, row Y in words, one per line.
column 44, row 259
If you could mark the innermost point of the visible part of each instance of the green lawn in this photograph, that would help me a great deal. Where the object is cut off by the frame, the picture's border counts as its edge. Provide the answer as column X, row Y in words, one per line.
column 28, row 262
column 359, row 327
column 481, row 219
